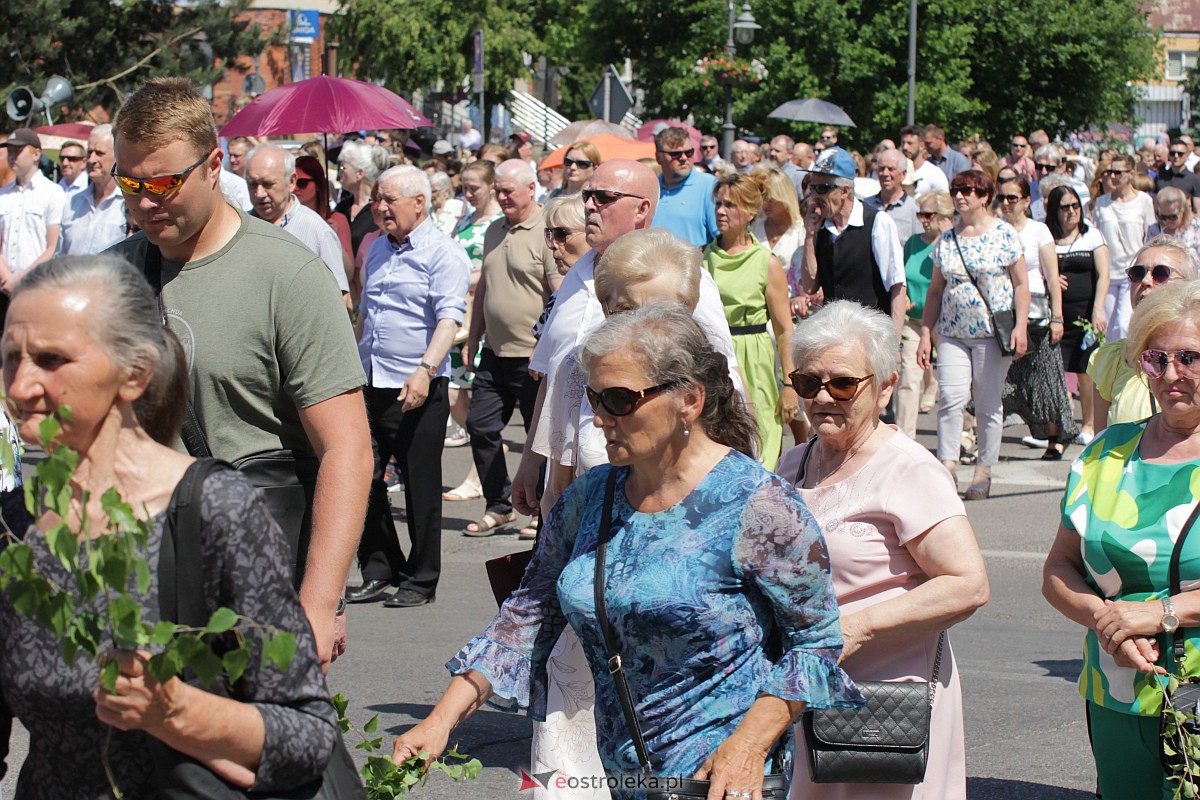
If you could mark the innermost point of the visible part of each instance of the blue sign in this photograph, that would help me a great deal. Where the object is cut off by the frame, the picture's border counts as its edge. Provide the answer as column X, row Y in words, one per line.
column 306, row 26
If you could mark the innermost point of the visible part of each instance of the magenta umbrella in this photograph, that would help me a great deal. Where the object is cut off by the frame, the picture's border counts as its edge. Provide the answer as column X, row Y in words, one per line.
column 324, row 105
column 647, row 131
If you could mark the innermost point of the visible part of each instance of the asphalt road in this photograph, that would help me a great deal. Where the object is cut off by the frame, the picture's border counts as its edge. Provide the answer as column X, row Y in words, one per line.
column 1019, row 659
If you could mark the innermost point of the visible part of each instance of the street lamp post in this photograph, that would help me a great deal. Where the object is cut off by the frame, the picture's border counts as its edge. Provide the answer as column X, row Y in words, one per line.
column 743, row 27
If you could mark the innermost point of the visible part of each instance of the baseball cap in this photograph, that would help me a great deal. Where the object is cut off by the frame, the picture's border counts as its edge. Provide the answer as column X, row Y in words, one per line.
column 522, row 136
column 835, row 161
column 442, row 148
column 23, row 136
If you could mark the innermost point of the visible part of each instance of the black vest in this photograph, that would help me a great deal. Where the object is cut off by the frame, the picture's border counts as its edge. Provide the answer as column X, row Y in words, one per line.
column 847, row 269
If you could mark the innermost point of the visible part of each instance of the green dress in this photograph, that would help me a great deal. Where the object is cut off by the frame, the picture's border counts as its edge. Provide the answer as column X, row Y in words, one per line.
column 742, row 281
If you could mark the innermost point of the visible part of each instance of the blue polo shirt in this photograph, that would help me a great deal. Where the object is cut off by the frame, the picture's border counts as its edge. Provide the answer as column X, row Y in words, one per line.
column 687, row 209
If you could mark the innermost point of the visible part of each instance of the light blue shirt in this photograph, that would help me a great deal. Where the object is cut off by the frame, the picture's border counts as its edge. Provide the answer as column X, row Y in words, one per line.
column 687, row 209
column 89, row 227
column 409, row 287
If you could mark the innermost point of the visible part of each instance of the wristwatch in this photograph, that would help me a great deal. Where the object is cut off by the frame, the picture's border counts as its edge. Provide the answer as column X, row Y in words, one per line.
column 341, row 608
column 1170, row 622
column 429, row 368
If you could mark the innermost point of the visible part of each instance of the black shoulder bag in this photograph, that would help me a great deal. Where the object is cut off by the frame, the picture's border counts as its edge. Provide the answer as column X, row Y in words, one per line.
column 774, row 786
column 1179, row 736
column 287, row 480
column 181, row 600
column 1003, row 322
column 885, row 741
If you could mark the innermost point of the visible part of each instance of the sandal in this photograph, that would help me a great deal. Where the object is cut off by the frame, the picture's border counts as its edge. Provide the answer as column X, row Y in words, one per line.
column 1054, row 451
column 464, row 491
column 530, row 532
column 489, row 523
column 980, row 488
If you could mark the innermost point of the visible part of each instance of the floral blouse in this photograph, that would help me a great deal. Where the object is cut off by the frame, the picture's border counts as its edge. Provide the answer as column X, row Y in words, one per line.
column 989, row 255
column 720, row 598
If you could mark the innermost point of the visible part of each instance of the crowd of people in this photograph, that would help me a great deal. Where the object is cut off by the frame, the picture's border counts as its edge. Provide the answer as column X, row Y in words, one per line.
column 663, row 327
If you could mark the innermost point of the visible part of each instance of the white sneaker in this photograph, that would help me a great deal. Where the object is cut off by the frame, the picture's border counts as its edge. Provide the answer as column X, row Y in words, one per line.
column 1084, row 438
column 1036, row 444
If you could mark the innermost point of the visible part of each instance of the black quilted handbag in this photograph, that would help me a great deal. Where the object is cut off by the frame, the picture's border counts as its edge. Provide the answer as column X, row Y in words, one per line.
column 885, row 741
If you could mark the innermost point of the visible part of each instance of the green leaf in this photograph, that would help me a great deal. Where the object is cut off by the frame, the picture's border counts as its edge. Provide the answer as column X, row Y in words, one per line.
column 163, row 632
column 165, row 665
column 371, row 725
column 280, row 649
column 109, row 675
column 222, row 620
column 340, row 704
column 234, row 662
column 63, row 544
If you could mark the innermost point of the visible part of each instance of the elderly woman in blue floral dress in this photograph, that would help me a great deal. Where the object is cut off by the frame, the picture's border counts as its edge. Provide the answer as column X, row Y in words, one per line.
column 711, row 559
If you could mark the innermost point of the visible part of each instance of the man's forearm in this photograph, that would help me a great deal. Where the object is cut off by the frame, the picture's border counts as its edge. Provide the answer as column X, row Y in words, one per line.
column 339, row 507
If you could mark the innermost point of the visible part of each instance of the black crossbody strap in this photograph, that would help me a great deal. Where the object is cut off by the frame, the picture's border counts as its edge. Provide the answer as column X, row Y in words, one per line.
column 613, row 654
column 967, row 270
column 181, row 560
column 192, row 433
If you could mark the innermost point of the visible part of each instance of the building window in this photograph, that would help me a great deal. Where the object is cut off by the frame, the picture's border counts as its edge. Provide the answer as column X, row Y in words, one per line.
column 1179, row 62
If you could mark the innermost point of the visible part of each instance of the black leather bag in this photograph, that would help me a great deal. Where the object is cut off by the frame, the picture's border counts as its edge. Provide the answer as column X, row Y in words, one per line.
column 1182, row 735
column 775, row 786
column 885, row 741
column 181, row 599
column 1004, row 322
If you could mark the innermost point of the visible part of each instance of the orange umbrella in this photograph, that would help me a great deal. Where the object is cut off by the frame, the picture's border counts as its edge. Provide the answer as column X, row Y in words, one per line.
column 610, row 147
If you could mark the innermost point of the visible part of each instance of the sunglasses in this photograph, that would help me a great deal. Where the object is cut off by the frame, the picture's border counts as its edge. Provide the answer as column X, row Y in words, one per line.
column 708, row 147
column 966, row 190
column 304, row 183
column 72, row 159
column 1187, row 363
column 676, row 155
column 822, row 188
column 160, row 185
column 621, row 402
column 1045, row 167
column 1019, row 145
column 1159, row 273
column 1068, row 207
column 809, row 386
column 1010, row 198
column 1112, row 173
column 926, row 215
column 1168, row 218
column 558, row 235
column 582, row 163
column 1179, row 152
column 604, row 197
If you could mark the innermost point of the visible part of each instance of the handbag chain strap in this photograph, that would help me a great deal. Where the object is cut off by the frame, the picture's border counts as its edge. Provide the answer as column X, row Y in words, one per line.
column 616, row 667
column 937, row 658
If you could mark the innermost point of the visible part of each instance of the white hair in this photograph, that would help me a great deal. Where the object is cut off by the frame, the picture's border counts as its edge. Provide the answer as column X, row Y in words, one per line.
column 286, row 157
column 372, row 159
column 843, row 322
column 409, row 181
column 104, row 131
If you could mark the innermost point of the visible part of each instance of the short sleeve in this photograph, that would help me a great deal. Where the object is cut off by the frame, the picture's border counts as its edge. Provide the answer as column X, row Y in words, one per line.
column 781, row 551
column 921, row 495
column 56, row 207
column 315, row 345
column 1104, row 367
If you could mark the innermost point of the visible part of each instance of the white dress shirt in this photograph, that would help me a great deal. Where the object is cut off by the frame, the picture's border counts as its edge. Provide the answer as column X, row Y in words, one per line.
column 26, row 215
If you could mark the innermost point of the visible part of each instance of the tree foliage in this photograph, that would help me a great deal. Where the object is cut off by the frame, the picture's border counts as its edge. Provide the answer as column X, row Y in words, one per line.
column 106, row 48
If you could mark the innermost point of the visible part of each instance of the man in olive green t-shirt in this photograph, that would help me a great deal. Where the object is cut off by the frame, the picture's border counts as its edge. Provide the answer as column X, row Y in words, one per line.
column 273, row 362
column 518, row 277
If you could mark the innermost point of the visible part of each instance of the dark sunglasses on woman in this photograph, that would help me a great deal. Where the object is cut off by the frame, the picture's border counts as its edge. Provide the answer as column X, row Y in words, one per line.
column 1159, row 273
column 809, row 386
column 1187, row 363
column 582, row 163
column 621, row 402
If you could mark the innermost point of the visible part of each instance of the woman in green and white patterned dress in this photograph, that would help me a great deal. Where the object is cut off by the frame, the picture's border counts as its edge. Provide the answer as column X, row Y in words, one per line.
column 1127, row 500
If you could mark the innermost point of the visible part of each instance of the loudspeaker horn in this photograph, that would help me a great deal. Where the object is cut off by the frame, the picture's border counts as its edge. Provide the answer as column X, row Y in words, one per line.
column 22, row 104
column 58, row 91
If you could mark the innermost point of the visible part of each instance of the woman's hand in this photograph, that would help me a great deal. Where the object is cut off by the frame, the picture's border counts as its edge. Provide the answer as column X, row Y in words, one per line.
column 1120, row 620
column 789, row 403
column 1056, row 332
column 426, row 736
column 734, row 770
column 1019, row 342
column 924, row 350
column 138, row 701
column 1140, row 653
column 1099, row 319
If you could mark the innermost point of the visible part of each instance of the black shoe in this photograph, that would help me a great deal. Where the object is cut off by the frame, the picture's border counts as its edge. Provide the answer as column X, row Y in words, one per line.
column 408, row 598
column 369, row 592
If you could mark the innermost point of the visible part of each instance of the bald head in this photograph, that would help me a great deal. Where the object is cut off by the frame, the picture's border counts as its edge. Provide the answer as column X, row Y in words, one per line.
column 611, row 216
column 271, row 179
column 516, row 190
column 802, row 155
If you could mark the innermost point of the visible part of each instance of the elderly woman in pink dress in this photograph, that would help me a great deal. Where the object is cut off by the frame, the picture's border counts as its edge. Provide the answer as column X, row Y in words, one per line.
column 903, row 556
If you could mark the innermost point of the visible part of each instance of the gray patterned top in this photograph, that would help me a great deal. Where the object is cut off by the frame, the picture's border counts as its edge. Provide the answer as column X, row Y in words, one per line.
column 245, row 568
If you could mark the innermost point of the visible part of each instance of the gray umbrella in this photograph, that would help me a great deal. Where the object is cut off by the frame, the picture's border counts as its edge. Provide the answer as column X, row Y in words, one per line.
column 813, row 110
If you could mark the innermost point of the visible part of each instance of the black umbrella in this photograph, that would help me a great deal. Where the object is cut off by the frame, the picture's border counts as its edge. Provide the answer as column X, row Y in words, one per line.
column 813, row 110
